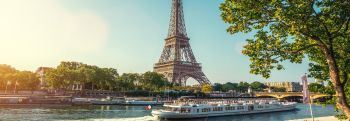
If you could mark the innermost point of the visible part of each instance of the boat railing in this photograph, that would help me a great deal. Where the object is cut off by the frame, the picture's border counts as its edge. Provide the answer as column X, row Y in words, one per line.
column 219, row 101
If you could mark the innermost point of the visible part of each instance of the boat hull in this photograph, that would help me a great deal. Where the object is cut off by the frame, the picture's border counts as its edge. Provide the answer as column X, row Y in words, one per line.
column 172, row 115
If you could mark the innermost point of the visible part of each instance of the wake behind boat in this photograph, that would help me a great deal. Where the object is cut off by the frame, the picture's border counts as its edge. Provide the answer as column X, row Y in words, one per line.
column 201, row 109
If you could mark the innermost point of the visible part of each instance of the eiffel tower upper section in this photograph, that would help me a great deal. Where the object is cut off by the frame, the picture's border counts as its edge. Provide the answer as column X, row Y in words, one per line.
column 177, row 27
column 177, row 61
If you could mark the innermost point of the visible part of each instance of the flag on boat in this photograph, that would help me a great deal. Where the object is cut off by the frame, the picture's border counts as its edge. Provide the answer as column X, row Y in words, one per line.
column 306, row 93
column 149, row 107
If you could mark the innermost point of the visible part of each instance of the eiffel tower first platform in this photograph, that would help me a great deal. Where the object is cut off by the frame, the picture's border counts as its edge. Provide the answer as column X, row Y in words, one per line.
column 177, row 62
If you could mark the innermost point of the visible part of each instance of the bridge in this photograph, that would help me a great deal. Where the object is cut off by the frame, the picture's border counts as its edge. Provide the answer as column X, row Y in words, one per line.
column 281, row 95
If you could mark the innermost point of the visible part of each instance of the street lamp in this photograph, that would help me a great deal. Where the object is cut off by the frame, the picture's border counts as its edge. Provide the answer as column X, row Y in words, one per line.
column 8, row 83
column 14, row 91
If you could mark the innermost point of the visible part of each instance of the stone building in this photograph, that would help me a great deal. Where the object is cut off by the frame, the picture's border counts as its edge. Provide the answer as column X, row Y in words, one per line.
column 290, row 86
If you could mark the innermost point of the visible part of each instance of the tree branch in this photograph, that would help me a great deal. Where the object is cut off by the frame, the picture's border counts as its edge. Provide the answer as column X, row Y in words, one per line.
column 301, row 49
column 322, row 23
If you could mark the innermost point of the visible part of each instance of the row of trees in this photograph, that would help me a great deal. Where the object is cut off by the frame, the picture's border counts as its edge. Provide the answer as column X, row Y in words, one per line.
column 11, row 79
column 239, row 87
column 92, row 77
column 96, row 78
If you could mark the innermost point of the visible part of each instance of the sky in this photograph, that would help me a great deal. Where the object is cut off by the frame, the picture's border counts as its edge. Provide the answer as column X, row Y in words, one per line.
column 124, row 34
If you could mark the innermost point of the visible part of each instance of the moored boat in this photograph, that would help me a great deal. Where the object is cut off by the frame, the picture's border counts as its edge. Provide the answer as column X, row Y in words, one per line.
column 144, row 103
column 109, row 101
column 181, row 110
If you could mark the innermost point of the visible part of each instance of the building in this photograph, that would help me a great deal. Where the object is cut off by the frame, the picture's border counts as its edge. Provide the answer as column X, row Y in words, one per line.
column 41, row 72
column 290, row 86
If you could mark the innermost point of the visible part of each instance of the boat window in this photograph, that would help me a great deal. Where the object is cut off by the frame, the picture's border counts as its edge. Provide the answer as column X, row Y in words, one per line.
column 197, row 110
column 230, row 108
column 169, row 109
column 240, row 107
column 205, row 109
column 260, row 106
column 185, row 110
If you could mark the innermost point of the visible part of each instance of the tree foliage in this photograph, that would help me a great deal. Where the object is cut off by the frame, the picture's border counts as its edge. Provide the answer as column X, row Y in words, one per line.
column 207, row 88
column 22, row 80
column 289, row 30
column 229, row 86
column 69, row 73
column 257, row 86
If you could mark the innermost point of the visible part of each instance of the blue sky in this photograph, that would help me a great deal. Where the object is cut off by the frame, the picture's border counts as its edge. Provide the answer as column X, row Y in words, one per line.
column 123, row 34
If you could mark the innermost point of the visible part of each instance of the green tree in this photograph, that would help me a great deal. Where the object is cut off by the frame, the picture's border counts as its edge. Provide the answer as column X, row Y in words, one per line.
column 69, row 73
column 27, row 80
column 217, row 87
column 257, row 86
column 316, row 87
column 289, row 30
column 229, row 86
column 6, row 74
column 153, row 81
column 243, row 86
column 128, row 81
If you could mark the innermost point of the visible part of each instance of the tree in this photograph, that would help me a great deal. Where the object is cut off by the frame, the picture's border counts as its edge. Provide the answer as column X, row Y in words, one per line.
column 217, row 87
column 257, row 86
column 243, row 86
column 153, row 81
column 316, row 87
column 6, row 74
column 27, row 80
column 69, row 73
column 229, row 86
column 207, row 88
column 289, row 30
column 128, row 80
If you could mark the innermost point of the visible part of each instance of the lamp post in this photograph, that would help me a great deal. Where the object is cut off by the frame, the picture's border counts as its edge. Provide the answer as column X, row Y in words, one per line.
column 8, row 83
column 14, row 91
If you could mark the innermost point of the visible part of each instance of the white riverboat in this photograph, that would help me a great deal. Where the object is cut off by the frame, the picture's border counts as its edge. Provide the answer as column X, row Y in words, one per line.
column 200, row 109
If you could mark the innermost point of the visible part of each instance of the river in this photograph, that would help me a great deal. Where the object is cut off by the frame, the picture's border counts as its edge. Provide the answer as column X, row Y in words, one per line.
column 138, row 113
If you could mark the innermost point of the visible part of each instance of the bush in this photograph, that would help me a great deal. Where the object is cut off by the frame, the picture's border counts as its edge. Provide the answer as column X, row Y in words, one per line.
column 341, row 116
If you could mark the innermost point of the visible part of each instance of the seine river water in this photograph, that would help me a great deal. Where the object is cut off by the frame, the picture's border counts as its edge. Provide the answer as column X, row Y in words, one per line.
column 138, row 113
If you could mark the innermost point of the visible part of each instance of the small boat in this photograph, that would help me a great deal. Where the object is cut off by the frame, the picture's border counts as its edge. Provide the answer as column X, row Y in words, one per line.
column 109, row 101
column 200, row 109
column 144, row 103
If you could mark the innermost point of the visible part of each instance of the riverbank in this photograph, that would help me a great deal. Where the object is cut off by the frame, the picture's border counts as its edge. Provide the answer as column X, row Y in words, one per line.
column 326, row 118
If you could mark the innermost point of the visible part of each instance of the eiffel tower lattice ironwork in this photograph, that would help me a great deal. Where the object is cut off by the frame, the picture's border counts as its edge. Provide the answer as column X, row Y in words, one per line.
column 177, row 61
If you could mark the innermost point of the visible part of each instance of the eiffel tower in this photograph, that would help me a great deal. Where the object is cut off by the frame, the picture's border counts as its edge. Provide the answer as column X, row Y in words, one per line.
column 177, row 62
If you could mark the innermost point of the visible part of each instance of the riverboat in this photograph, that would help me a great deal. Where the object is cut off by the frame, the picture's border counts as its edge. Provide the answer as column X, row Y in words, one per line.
column 200, row 109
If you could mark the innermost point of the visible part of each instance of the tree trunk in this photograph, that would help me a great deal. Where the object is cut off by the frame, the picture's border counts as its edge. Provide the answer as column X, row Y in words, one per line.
column 341, row 101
